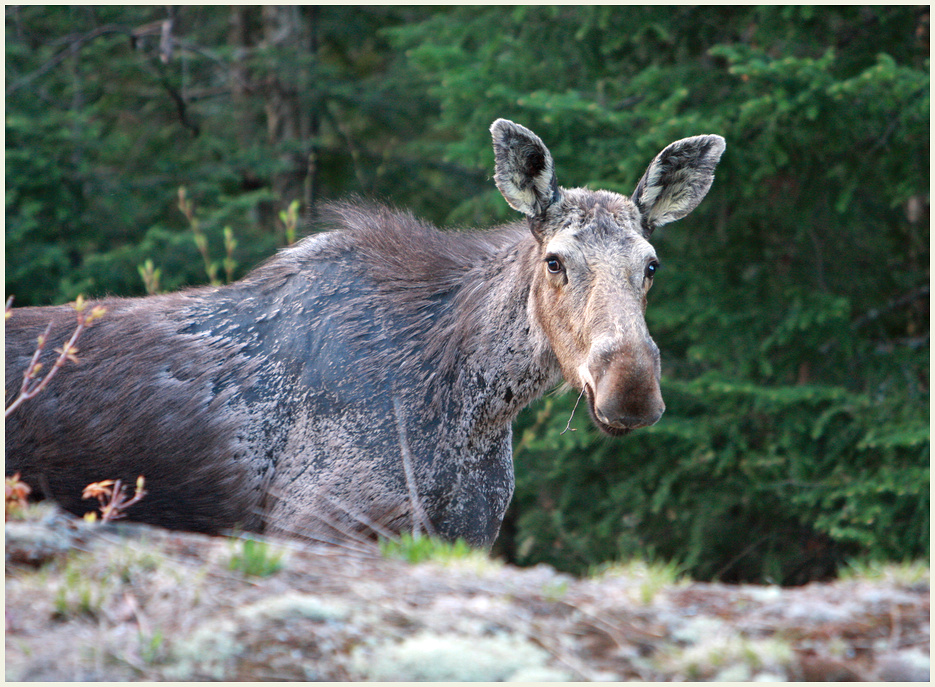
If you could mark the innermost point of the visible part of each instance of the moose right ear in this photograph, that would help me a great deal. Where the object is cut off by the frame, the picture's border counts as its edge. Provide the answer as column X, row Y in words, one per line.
column 524, row 171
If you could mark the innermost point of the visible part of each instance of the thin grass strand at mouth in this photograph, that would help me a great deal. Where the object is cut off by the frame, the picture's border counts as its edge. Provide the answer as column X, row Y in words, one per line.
column 571, row 417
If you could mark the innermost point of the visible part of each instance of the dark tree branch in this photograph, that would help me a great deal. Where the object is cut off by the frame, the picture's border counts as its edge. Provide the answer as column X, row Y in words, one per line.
column 180, row 107
column 162, row 28
column 876, row 313
column 894, row 304
column 75, row 44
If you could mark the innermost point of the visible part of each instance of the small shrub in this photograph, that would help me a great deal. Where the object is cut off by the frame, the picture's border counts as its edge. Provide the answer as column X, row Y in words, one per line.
column 17, row 492
column 113, row 498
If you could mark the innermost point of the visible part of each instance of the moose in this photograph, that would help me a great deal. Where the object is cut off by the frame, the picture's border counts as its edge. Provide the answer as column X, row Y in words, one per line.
column 364, row 379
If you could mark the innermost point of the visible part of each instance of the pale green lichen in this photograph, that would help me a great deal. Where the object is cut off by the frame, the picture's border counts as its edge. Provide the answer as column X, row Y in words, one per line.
column 728, row 657
column 452, row 658
column 208, row 653
column 292, row 605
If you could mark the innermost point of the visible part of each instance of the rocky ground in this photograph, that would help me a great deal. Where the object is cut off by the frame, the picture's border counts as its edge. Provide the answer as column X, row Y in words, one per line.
column 93, row 602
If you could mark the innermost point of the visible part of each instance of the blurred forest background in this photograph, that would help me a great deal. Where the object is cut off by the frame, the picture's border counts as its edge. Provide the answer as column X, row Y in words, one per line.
column 792, row 309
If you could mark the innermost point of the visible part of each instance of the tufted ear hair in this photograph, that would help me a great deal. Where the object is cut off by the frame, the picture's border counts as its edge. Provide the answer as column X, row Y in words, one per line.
column 677, row 180
column 524, row 171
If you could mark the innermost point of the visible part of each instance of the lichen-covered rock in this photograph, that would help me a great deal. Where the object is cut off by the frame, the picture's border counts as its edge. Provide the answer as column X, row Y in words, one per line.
column 144, row 604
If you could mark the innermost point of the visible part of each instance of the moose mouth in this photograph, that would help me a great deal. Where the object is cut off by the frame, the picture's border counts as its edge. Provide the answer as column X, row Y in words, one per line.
column 606, row 428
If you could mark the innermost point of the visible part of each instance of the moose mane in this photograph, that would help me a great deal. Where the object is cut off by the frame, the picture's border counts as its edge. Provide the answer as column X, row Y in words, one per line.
column 437, row 281
column 407, row 255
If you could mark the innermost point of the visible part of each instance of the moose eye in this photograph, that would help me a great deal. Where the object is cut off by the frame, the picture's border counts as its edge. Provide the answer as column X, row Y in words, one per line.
column 651, row 269
column 553, row 265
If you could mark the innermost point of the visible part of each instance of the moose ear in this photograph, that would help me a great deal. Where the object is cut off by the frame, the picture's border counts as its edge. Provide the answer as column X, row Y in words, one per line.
column 677, row 180
column 524, row 171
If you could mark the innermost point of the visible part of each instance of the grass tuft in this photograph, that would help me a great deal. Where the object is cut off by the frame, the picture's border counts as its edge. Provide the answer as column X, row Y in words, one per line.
column 256, row 558
column 418, row 548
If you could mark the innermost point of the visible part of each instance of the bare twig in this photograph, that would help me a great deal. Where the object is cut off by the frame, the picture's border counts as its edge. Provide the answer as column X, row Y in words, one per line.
column 876, row 313
column 750, row 547
column 31, row 384
column 336, row 122
column 346, row 536
column 181, row 107
column 187, row 208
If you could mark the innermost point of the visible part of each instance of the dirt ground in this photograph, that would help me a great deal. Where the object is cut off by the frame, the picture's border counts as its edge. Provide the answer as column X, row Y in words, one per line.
column 94, row 603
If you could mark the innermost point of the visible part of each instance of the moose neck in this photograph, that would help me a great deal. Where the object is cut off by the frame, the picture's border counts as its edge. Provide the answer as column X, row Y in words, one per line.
column 503, row 357
column 455, row 305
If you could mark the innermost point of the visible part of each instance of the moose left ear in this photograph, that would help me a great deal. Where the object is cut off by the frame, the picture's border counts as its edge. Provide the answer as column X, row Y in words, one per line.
column 524, row 171
column 677, row 180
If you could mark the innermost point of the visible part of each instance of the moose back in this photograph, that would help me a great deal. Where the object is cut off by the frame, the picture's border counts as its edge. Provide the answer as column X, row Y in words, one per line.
column 366, row 378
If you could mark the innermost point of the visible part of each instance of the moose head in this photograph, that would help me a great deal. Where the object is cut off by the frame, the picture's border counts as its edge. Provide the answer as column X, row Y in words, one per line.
column 596, row 266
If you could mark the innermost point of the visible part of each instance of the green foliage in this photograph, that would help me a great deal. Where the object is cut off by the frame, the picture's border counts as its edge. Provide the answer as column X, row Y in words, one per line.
column 791, row 310
column 103, row 125
column 416, row 549
column 739, row 481
column 256, row 558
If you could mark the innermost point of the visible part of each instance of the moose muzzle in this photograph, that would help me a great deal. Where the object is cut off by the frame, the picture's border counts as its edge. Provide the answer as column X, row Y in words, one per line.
column 622, row 385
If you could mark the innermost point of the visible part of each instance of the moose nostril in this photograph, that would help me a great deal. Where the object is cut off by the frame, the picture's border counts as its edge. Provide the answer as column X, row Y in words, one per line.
column 629, row 421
